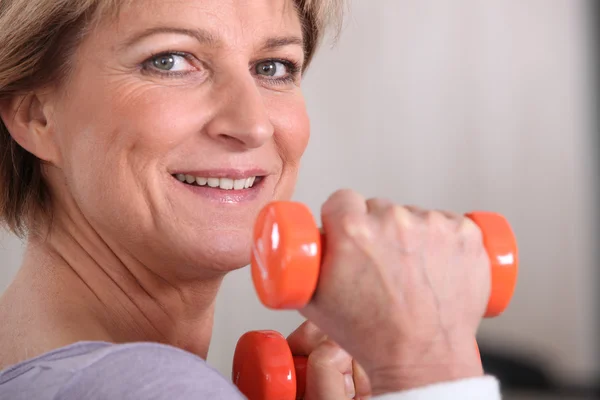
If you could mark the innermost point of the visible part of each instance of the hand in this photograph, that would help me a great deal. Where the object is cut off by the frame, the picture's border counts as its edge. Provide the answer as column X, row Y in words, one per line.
column 331, row 373
column 403, row 290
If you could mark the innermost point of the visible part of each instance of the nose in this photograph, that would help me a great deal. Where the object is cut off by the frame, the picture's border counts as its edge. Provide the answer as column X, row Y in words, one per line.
column 240, row 118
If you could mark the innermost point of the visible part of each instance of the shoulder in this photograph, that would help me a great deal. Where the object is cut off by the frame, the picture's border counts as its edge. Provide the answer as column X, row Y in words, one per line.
column 144, row 371
column 147, row 371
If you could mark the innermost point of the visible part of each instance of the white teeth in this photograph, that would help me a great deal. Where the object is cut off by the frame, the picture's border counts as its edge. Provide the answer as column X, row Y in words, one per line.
column 249, row 182
column 221, row 183
column 226, row 183
column 239, row 184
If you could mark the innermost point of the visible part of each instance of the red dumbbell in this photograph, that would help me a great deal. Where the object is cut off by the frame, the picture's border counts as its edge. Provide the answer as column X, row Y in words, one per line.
column 286, row 260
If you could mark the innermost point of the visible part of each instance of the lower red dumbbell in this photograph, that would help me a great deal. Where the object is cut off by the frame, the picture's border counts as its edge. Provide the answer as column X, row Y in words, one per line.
column 286, row 260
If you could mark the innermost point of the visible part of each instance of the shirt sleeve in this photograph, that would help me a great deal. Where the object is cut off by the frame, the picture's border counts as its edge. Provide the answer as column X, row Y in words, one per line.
column 148, row 372
column 481, row 388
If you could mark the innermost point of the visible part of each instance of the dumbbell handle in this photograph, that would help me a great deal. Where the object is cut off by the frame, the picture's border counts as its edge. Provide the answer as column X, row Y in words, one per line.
column 288, row 248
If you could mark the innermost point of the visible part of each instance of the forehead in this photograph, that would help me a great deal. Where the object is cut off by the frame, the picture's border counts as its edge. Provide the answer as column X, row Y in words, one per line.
column 227, row 19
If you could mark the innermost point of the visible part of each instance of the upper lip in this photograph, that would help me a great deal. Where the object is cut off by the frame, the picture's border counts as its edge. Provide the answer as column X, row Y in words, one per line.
column 232, row 173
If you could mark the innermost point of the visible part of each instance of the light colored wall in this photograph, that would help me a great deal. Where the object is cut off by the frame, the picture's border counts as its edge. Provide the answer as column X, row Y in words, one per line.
column 457, row 104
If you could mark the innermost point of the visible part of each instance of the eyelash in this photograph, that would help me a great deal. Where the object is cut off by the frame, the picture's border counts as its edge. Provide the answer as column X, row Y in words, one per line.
column 292, row 67
column 147, row 67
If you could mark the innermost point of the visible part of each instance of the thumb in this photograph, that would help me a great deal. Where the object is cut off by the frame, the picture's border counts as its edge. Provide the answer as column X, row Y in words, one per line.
column 329, row 373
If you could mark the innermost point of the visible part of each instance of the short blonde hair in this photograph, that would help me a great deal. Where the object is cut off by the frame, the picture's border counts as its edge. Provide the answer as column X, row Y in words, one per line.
column 37, row 40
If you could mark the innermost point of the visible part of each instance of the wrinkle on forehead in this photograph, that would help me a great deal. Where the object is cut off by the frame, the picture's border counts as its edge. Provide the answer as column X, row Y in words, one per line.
column 270, row 17
column 287, row 8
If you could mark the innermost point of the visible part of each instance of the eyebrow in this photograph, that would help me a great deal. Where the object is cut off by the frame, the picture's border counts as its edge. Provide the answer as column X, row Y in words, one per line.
column 205, row 37
column 201, row 35
column 282, row 41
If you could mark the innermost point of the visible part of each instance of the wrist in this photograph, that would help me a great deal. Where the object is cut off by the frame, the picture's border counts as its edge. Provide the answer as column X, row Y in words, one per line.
column 406, row 374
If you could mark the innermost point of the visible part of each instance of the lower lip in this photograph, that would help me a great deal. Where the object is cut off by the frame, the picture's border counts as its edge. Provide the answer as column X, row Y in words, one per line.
column 225, row 196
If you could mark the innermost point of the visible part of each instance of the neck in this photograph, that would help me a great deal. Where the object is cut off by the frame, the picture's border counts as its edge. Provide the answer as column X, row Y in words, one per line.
column 90, row 291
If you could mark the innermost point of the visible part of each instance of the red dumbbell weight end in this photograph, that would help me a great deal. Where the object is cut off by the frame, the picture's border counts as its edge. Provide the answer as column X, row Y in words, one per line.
column 265, row 369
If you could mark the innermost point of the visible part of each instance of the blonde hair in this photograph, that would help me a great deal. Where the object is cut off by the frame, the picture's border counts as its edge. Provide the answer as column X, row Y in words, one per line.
column 37, row 40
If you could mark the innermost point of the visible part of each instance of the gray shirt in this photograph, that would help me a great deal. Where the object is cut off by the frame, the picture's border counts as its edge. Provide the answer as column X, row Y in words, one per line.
column 98, row 371
column 151, row 371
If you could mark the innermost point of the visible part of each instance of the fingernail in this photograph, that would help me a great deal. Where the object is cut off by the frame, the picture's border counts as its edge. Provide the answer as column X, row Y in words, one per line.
column 349, row 381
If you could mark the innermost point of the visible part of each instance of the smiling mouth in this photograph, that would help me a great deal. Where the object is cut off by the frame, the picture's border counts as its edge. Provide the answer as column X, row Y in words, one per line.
column 219, row 183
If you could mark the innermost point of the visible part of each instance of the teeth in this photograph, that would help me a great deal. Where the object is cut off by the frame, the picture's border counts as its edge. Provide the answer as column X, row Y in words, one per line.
column 213, row 182
column 239, row 184
column 226, row 183
column 221, row 183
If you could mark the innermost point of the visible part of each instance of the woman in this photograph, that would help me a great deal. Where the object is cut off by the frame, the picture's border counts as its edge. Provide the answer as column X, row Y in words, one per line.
column 139, row 141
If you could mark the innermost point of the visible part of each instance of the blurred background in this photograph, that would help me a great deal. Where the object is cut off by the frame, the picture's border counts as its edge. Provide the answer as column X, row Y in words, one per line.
column 463, row 105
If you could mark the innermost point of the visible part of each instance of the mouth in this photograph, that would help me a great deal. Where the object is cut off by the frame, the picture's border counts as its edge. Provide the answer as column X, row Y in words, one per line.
column 223, row 183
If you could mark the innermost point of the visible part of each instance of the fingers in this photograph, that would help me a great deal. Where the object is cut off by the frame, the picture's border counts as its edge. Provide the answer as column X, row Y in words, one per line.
column 409, row 215
column 375, row 204
column 342, row 202
column 329, row 373
column 347, row 201
column 333, row 374
column 433, row 266
column 435, row 215
column 362, row 385
column 305, row 339
column 342, row 212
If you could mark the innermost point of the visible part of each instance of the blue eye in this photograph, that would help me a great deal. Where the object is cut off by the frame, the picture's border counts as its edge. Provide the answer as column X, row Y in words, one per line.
column 272, row 69
column 171, row 62
column 164, row 62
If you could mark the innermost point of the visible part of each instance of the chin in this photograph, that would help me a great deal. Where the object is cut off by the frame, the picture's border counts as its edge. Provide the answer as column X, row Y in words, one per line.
column 223, row 252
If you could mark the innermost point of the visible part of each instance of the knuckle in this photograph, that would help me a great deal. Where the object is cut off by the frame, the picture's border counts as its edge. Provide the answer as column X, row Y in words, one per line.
column 401, row 216
column 437, row 220
column 377, row 204
column 341, row 202
column 337, row 197
column 470, row 231
column 470, row 237
column 326, row 354
column 355, row 226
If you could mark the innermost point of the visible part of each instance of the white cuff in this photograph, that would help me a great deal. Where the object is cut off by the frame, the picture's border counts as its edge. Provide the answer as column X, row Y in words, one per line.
column 481, row 388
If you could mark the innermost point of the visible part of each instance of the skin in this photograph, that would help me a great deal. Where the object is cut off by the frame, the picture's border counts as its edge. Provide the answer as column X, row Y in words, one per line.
column 132, row 254
column 127, row 236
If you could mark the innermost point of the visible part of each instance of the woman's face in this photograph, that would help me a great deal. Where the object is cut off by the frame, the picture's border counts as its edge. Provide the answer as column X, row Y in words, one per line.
column 180, row 121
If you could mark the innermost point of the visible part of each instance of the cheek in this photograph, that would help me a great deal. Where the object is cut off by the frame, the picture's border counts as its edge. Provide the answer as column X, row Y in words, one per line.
column 116, row 142
column 126, row 126
column 292, row 129
column 151, row 118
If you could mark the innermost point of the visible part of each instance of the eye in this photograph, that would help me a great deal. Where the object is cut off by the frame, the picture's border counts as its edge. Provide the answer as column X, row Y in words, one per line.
column 170, row 62
column 272, row 69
